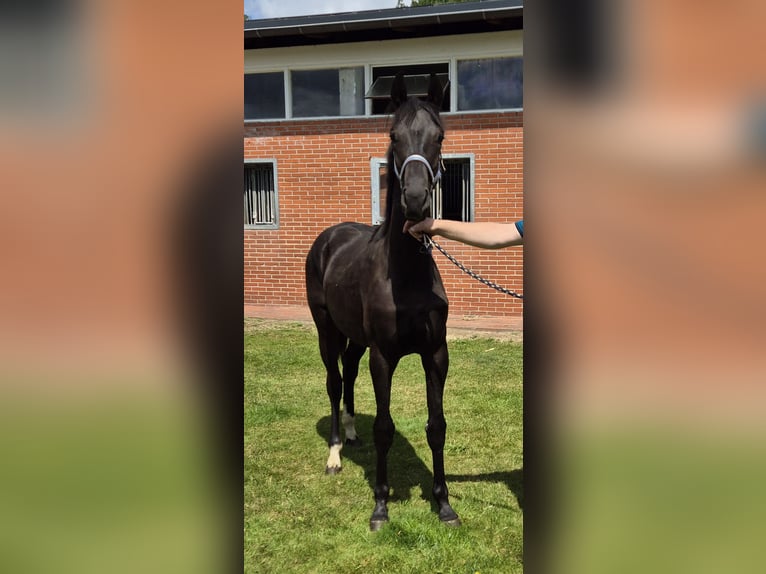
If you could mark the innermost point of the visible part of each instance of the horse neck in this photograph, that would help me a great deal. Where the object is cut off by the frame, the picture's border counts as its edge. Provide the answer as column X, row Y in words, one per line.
column 407, row 258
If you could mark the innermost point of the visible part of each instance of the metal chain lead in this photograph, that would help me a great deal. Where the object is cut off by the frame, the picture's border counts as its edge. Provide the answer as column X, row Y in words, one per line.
column 429, row 243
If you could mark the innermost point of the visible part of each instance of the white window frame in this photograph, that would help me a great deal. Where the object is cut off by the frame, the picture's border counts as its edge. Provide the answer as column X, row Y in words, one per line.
column 375, row 164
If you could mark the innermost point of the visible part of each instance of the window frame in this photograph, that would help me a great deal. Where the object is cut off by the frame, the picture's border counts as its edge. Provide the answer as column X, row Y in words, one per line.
column 274, row 224
column 376, row 163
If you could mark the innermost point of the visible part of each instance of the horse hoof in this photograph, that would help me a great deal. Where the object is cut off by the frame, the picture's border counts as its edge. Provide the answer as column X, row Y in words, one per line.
column 353, row 442
column 449, row 517
column 376, row 524
column 332, row 469
column 379, row 516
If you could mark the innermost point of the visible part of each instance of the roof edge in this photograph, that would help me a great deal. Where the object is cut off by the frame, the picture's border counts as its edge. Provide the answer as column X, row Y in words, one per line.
column 389, row 18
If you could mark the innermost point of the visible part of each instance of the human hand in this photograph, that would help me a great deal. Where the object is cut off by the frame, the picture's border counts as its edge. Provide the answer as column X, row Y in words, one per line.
column 418, row 229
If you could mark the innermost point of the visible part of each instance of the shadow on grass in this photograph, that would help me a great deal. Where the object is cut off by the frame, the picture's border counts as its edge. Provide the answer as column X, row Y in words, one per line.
column 406, row 470
column 513, row 479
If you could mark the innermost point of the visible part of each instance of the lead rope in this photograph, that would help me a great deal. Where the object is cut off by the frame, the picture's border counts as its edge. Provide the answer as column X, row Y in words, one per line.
column 428, row 242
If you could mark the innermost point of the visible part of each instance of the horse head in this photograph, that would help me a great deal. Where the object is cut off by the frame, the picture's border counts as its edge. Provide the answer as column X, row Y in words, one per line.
column 416, row 143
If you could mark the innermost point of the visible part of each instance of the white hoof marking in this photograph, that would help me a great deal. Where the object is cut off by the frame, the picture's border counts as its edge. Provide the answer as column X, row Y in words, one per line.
column 333, row 461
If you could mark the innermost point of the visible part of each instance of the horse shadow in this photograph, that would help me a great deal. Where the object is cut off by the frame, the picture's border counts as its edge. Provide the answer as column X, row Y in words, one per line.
column 406, row 470
column 513, row 479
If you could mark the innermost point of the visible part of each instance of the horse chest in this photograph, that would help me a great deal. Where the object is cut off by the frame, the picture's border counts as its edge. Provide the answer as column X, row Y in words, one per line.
column 407, row 326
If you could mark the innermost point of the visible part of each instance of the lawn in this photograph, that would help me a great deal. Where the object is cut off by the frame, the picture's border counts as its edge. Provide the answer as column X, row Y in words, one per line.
column 297, row 519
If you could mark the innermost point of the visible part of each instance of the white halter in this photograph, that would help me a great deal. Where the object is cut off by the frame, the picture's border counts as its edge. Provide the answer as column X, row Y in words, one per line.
column 416, row 157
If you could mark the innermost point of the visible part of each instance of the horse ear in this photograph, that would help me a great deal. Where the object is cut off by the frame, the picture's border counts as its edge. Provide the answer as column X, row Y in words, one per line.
column 435, row 92
column 398, row 90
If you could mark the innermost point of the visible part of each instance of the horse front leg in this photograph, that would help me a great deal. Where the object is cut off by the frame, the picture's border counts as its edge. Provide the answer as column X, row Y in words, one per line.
column 381, row 370
column 435, row 366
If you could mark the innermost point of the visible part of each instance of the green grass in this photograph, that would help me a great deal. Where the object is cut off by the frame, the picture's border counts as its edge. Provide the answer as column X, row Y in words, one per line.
column 297, row 519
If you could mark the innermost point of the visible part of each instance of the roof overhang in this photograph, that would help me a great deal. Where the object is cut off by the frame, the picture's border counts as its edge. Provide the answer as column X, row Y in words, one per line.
column 389, row 24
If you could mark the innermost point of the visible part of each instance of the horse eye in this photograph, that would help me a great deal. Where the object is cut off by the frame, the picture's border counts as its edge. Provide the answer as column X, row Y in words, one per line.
column 393, row 137
column 440, row 139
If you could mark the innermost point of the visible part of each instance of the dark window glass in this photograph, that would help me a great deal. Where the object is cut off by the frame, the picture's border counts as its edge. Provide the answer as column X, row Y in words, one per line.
column 490, row 84
column 264, row 96
column 336, row 92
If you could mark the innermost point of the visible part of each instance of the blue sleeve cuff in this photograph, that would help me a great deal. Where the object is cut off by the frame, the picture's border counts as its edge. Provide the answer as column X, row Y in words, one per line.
column 520, row 227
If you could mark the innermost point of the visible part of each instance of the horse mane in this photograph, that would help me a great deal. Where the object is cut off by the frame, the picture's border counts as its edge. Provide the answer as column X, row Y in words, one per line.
column 404, row 114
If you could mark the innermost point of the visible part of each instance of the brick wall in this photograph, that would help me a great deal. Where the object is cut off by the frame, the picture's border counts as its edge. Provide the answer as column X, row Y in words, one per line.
column 323, row 172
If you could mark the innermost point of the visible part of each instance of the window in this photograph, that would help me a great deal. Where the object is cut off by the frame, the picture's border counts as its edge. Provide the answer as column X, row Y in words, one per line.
column 490, row 84
column 261, row 202
column 264, row 96
column 482, row 84
column 333, row 92
column 452, row 197
column 380, row 102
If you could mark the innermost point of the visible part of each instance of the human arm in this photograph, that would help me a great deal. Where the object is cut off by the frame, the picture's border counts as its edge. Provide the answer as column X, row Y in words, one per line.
column 484, row 234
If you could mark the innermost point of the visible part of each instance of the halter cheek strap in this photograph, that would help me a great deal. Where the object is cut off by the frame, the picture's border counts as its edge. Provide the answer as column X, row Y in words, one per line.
column 416, row 157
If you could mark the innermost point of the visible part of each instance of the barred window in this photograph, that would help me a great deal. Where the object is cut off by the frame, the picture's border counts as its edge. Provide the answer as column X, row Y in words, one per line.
column 261, row 201
column 453, row 194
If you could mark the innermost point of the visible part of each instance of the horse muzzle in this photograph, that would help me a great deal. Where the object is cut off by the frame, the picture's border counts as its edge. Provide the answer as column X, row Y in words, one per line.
column 416, row 204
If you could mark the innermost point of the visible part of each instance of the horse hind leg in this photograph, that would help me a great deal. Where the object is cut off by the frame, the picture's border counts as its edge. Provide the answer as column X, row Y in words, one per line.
column 350, row 359
column 331, row 344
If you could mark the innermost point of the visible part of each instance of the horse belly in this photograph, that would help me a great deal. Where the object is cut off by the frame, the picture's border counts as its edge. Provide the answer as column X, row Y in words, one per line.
column 345, row 307
column 344, row 269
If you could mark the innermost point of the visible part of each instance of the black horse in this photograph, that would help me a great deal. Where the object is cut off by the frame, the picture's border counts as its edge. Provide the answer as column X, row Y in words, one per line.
column 378, row 287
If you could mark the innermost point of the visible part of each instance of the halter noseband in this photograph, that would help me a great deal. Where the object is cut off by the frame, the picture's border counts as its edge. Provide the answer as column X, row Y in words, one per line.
column 416, row 157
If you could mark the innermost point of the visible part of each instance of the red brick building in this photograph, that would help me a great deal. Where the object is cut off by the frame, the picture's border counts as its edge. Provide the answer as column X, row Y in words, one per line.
column 316, row 136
